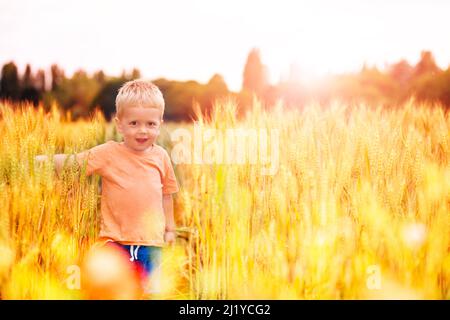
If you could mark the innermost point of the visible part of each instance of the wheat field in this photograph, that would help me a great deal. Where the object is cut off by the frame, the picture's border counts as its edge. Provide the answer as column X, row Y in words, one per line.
column 358, row 208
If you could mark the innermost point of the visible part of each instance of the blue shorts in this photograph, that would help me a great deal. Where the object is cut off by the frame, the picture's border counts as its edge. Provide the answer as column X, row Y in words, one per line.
column 145, row 260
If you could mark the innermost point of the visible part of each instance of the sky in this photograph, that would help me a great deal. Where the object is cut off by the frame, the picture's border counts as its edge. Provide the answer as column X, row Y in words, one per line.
column 183, row 39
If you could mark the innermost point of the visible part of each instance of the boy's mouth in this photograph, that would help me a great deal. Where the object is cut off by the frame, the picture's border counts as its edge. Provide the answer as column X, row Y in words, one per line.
column 141, row 140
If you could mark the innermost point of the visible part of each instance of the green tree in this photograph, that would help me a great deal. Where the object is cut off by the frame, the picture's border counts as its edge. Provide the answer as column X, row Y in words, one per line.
column 9, row 83
column 180, row 96
column 29, row 92
column 215, row 88
column 83, row 90
column 401, row 74
column 444, row 88
column 135, row 74
column 425, row 83
column 40, row 81
column 57, row 76
column 27, row 80
column 255, row 74
column 100, row 77
column 106, row 97
column 401, row 71
column 426, row 65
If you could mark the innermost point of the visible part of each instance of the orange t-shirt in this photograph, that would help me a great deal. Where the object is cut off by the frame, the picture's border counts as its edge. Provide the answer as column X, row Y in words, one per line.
column 132, row 191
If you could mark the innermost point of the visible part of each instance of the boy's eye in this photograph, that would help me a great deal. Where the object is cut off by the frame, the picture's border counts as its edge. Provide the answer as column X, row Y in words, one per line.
column 152, row 124
column 133, row 123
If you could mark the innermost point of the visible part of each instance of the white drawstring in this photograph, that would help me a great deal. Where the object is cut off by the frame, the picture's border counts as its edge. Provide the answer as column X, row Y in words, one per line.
column 134, row 255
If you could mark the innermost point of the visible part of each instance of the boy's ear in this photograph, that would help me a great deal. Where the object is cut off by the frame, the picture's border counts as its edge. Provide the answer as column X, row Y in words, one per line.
column 117, row 122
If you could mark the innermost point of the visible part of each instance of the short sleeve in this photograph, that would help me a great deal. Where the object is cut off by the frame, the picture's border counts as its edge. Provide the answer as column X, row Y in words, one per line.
column 95, row 158
column 169, row 182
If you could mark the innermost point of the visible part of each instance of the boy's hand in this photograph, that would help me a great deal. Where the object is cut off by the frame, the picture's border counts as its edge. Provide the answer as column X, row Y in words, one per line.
column 170, row 237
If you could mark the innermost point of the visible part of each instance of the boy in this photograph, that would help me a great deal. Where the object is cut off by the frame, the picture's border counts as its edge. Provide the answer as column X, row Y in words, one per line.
column 137, row 178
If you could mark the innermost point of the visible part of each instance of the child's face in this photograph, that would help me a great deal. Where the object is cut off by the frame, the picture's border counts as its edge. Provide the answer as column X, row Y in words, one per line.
column 139, row 127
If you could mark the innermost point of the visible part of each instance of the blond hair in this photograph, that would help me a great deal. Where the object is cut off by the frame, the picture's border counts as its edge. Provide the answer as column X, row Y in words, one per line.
column 139, row 93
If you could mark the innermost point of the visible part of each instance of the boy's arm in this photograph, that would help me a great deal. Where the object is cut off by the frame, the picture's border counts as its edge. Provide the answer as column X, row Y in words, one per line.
column 59, row 160
column 169, row 235
column 94, row 158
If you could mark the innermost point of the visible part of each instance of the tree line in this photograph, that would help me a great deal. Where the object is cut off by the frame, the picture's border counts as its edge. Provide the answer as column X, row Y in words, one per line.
column 388, row 87
column 82, row 93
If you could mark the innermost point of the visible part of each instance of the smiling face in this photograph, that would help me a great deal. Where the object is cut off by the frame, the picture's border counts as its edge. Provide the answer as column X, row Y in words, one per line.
column 139, row 127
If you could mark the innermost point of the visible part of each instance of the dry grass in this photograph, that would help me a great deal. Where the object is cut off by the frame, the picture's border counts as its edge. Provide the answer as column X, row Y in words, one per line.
column 359, row 193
